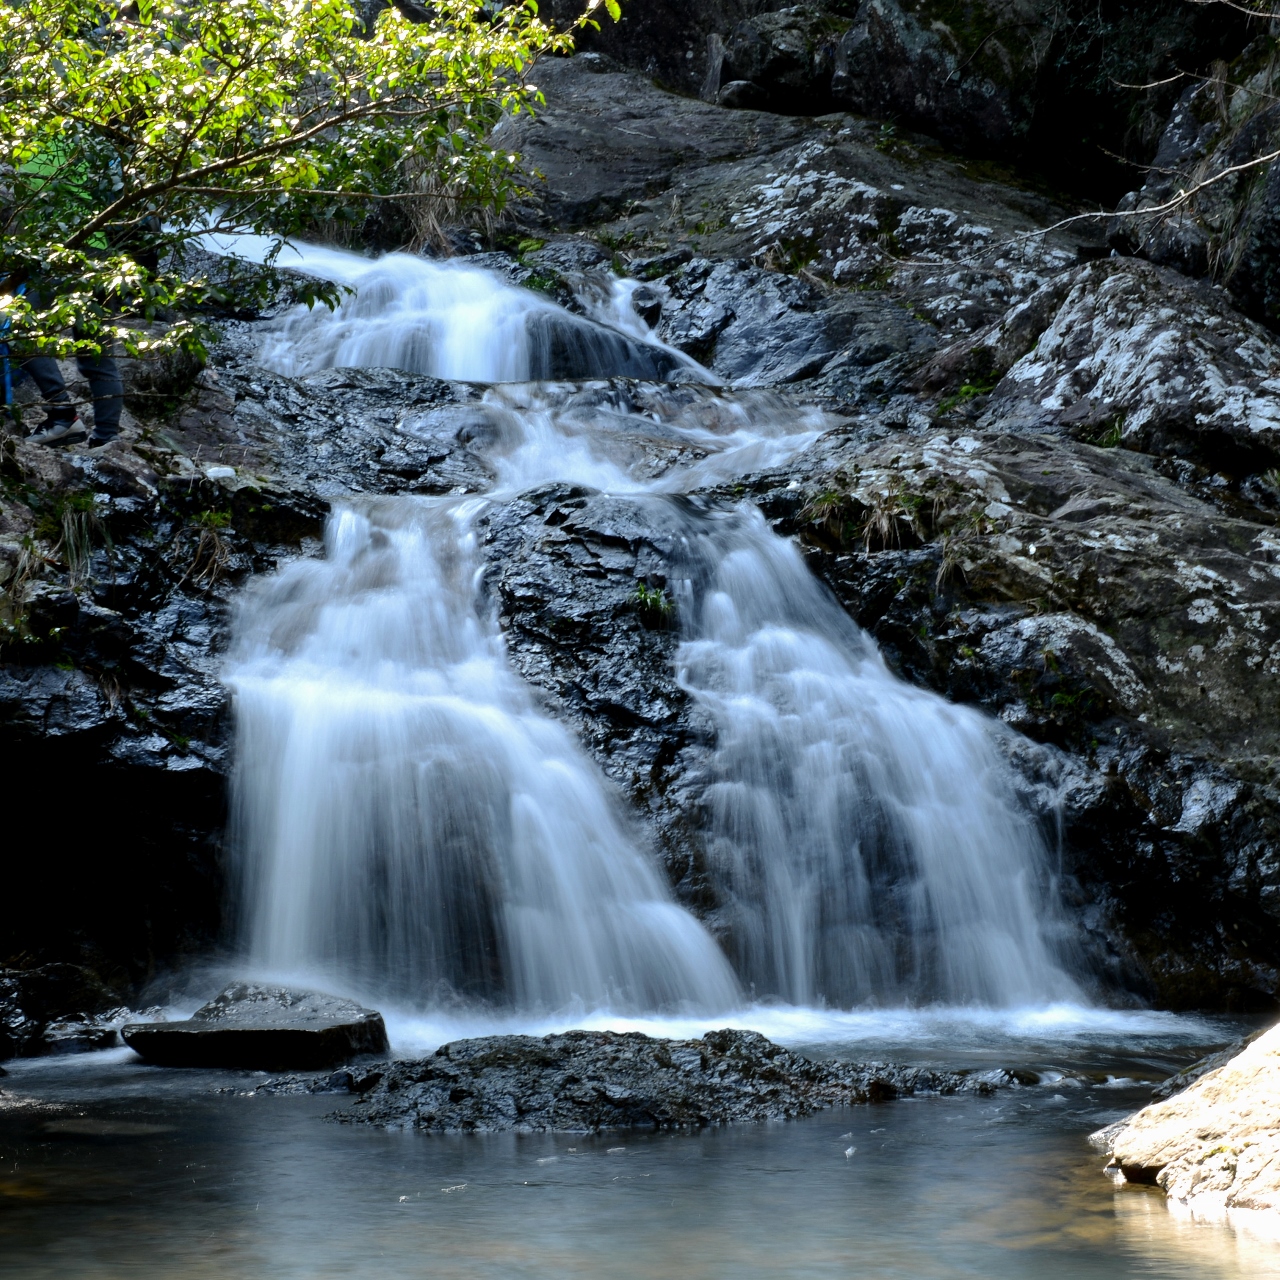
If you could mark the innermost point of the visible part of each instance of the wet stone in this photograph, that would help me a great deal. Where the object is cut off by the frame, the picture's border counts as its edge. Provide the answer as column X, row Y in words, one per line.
column 583, row 1081
column 262, row 1028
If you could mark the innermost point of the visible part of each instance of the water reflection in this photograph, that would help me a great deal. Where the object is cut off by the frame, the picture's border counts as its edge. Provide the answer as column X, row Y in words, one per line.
column 176, row 1178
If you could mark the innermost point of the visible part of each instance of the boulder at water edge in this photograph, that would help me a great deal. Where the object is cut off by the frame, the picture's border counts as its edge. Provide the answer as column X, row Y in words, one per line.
column 262, row 1028
column 1216, row 1145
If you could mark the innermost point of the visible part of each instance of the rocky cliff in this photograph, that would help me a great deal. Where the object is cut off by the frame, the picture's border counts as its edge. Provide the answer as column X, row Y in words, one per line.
column 1048, row 487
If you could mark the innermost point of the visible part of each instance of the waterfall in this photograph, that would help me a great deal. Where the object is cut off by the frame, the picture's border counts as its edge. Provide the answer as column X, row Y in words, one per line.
column 409, row 818
column 453, row 321
column 864, row 833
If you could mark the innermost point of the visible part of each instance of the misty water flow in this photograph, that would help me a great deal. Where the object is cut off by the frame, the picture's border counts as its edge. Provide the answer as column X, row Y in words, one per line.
column 414, row 824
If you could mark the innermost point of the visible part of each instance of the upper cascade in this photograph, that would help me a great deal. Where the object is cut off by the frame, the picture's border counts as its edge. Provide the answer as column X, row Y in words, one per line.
column 456, row 321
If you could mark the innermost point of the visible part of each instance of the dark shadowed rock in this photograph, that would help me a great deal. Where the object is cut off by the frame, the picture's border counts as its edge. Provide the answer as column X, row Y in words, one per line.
column 1227, row 230
column 583, row 1081
column 54, row 1009
column 262, row 1028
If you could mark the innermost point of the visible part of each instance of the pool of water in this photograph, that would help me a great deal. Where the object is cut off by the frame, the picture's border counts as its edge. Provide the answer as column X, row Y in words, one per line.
column 110, row 1168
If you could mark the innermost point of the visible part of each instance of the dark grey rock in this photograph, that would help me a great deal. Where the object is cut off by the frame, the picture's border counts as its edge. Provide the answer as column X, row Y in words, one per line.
column 54, row 1009
column 787, row 58
column 742, row 94
column 585, row 1081
column 262, row 1028
column 565, row 565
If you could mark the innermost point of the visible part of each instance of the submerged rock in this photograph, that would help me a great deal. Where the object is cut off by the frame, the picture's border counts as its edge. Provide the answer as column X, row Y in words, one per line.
column 1215, row 1146
column 262, row 1028
column 582, row 1081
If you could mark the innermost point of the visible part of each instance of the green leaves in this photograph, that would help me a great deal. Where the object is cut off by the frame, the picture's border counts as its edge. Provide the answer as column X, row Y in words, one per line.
column 129, row 126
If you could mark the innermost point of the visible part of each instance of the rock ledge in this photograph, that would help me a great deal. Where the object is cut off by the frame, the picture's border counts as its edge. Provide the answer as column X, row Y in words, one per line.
column 262, row 1028
column 582, row 1081
column 1215, row 1146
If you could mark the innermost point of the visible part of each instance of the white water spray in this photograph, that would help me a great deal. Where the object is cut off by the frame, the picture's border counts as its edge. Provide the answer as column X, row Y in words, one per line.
column 450, row 320
column 413, row 822
column 865, row 833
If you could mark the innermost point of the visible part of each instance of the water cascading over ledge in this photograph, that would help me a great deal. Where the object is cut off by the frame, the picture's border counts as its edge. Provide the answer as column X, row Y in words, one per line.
column 453, row 321
column 411, row 820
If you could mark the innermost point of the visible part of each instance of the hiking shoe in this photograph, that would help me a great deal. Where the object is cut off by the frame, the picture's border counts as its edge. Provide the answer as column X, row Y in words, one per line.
column 59, row 433
column 96, row 441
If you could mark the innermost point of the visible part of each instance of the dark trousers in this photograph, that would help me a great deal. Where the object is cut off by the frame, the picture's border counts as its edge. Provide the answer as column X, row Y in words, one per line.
column 104, row 384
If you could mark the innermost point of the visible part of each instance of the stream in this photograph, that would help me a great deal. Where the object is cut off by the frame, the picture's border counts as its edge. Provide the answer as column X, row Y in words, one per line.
column 113, row 1169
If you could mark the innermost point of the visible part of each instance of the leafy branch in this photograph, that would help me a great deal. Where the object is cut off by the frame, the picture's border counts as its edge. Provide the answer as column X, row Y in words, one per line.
column 131, row 128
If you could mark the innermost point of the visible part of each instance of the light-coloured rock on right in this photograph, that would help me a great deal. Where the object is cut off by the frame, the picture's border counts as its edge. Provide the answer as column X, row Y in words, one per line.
column 1215, row 1146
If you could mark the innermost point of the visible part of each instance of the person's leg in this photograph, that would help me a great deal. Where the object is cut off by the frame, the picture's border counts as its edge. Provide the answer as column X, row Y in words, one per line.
column 60, row 421
column 108, row 396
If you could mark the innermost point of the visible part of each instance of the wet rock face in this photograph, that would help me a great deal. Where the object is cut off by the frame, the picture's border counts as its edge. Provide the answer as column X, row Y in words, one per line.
column 586, row 1081
column 582, row 586
column 260, row 1028
column 109, row 681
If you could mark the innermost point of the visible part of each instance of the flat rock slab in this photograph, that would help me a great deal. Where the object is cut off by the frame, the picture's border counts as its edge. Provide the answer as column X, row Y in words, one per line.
column 582, row 1081
column 262, row 1028
column 1215, row 1146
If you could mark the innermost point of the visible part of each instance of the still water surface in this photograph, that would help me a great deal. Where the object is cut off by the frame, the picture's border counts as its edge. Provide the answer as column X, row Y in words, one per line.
column 109, row 1168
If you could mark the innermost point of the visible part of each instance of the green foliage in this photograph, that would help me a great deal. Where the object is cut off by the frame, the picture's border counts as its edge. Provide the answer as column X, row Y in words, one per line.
column 653, row 605
column 1107, row 434
column 980, row 386
column 128, row 127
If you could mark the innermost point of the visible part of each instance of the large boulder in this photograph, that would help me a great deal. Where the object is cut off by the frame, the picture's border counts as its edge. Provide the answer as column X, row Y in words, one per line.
column 789, row 57
column 585, row 1081
column 1215, row 1146
column 262, row 1028
column 1123, row 352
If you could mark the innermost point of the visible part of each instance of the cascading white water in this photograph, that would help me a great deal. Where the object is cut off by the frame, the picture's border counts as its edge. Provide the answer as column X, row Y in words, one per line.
column 453, row 321
column 864, row 831
column 410, row 819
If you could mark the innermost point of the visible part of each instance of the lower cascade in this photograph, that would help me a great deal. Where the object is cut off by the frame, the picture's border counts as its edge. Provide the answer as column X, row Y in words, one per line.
column 410, row 821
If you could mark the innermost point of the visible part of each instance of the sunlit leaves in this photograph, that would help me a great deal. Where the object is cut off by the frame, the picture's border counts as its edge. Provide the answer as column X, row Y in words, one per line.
column 126, row 124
